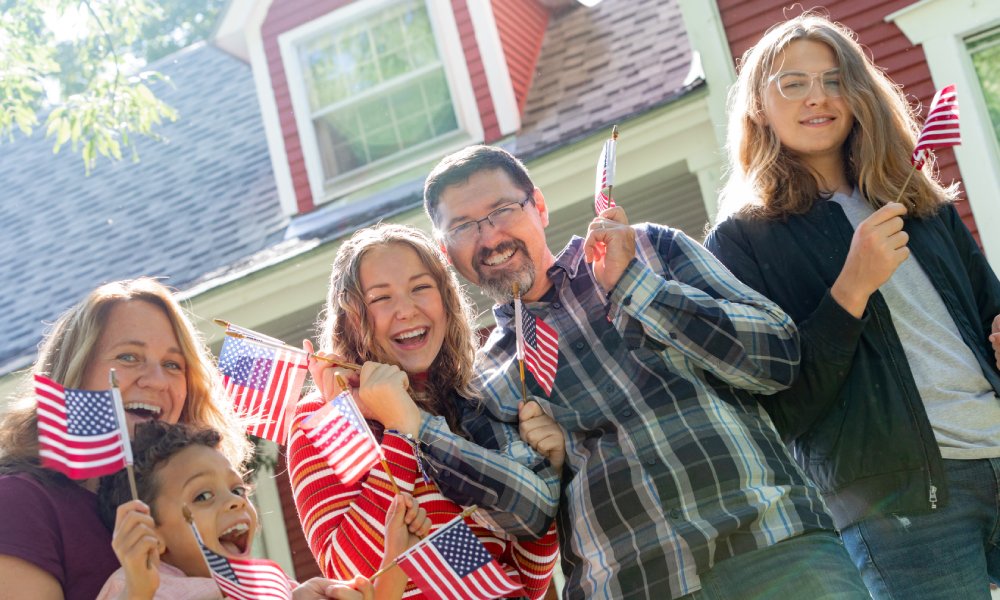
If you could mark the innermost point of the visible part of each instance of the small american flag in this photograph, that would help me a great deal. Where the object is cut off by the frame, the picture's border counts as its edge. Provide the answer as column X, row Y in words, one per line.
column 537, row 345
column 245, row 578
column 606, row 174
column 78, row 432
column 941, row 127
column 264, row 384
column 340, row 434
column 451, row 564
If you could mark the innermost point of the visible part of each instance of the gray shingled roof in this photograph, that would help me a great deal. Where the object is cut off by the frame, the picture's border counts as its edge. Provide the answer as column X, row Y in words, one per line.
column 199, row 202
column 602, row 65
column 204, row 205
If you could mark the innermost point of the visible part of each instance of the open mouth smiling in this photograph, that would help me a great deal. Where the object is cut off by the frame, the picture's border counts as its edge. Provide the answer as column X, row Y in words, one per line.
column 143, row 410
column 235, row 539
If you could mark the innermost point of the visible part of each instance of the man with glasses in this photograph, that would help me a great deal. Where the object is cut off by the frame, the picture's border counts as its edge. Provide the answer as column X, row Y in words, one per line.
column 676, row 483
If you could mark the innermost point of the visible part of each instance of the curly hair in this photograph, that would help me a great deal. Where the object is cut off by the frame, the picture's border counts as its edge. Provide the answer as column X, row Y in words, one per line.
column 345, row 324
column 767, row 180
column 68, row 349
column 153, row 444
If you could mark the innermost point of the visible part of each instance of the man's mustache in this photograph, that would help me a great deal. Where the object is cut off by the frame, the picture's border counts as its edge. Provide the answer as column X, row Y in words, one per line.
column 500, row 248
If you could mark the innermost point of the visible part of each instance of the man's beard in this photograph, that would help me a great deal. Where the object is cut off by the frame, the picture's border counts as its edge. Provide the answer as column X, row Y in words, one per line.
column 499, row 285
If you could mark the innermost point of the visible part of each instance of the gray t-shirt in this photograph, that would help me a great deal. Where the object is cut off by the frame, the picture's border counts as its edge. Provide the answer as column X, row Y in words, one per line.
column 960, row 403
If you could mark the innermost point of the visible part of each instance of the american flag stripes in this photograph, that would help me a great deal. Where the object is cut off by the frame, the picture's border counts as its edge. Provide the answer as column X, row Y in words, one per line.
column 78, row 432
column 451, row 564
column 941, row 126
column 245, row 578
column 537, row 345
column 340, row 434
column 264, row 383
column 606, row 174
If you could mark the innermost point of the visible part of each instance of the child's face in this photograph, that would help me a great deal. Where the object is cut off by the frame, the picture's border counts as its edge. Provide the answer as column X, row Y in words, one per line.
column 201, row 478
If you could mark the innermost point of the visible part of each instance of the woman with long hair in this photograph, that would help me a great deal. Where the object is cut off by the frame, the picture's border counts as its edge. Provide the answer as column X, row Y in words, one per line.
column 52, row 542
column 394, row 306
column 894, row 414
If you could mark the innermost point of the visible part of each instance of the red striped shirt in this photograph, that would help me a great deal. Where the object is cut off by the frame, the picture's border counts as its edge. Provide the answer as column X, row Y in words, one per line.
column 345, row 525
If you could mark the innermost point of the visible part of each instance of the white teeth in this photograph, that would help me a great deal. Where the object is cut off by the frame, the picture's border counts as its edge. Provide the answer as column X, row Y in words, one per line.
column 143, row 406
column 818, row 120
column 412, row 334
column 238, row 528
column 496, row 259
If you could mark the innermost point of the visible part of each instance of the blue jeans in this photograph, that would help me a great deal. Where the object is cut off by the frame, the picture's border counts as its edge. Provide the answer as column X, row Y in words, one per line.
column 813, row 566
column 949, row 553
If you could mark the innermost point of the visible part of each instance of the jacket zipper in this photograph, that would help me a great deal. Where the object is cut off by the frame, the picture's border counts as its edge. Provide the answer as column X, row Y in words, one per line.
column 932, row 489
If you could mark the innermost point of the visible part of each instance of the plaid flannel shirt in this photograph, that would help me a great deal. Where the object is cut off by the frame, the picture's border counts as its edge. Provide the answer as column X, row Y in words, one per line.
column 672, row 465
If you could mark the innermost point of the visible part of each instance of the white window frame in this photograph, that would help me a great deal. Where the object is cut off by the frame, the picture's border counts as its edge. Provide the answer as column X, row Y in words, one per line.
column 942, row 27
column 445, row 29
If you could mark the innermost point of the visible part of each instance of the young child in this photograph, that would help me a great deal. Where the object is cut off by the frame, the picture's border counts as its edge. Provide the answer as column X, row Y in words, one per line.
column 180, row 465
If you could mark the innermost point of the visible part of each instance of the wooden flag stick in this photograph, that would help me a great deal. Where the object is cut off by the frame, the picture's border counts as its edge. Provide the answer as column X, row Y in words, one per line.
column 519, row 343
column 614, row 137
column 903, row 189
column 283, row 346
column 465, row 513
column 116, row 396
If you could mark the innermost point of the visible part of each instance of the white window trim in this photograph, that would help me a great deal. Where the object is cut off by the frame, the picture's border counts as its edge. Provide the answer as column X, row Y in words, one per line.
column 452, row 57
column 941, row 27
column 495, row 65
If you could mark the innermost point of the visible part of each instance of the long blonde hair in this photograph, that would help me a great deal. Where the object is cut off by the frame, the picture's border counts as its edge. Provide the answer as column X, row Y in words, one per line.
column 767, row 180
column 345, row 324
column 70, row 345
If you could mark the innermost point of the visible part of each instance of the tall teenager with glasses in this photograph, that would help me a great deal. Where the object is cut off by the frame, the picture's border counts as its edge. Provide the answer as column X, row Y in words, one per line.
column 675, row 484
column 894, row 414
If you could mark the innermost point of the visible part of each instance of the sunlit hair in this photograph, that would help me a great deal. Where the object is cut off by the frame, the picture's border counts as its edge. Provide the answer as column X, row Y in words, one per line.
column 767, row 180
column 69, row 347
column 345, row 325
column 153, row 444
column 457, row 168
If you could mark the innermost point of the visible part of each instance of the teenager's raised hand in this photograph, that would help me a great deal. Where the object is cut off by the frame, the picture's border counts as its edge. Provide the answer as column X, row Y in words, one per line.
column 542, row 433
column 324, row 374
column 137, row 547
column 877, row 249
column 383, row 397
column 609, row 246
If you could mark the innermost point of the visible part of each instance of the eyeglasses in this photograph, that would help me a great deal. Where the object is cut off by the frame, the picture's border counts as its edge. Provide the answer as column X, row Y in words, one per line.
column 796, row 85
column 502, row 216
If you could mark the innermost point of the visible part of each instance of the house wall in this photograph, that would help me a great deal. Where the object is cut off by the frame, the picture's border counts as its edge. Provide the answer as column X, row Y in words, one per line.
column 745, row 22
column 521, row 25
column 285, row 15
column 477, row 72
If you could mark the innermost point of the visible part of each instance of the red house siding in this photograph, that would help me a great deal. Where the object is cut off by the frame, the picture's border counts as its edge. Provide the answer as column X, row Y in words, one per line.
column 285, row 15
column 906, row 64
column 477, row 73
column 281, row 17
column 521, row 25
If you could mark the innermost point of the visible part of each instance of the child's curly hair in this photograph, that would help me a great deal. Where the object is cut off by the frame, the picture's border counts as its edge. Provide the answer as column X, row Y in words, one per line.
column 153, row 444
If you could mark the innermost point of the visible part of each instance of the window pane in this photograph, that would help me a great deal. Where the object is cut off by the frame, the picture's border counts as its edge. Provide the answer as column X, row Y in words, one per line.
column 985, row 51
column 376, row 87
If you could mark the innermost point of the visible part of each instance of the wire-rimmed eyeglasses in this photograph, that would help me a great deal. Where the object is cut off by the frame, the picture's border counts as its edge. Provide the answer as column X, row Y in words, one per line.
column 796, row 85
column 499, row 217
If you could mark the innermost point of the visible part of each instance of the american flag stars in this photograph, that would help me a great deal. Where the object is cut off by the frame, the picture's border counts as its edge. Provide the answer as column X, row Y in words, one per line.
column 89, row 413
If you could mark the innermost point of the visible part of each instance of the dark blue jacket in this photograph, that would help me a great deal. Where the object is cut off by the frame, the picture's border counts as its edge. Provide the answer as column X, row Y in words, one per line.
column 854, row 417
